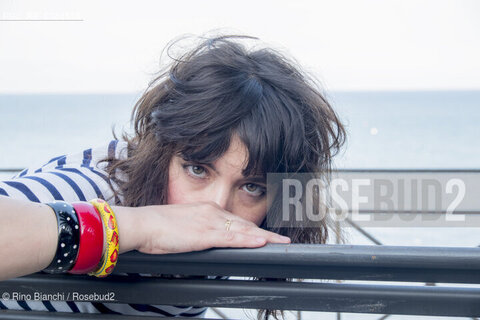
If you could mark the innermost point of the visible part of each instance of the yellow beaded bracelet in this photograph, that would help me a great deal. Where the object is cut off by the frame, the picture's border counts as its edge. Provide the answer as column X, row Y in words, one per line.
column 110, row 256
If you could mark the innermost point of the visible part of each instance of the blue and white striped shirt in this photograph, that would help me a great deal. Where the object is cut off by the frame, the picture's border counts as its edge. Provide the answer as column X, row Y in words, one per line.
column 79, row 177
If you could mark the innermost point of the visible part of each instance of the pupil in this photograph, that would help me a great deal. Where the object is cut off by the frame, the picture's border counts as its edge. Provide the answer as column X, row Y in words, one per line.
column 197, row 169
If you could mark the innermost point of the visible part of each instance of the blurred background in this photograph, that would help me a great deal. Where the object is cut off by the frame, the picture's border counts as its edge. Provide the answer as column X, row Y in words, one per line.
column 404, row 77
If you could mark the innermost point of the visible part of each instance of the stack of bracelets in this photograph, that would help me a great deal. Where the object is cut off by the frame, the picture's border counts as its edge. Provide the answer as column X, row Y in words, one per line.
column 83, row 230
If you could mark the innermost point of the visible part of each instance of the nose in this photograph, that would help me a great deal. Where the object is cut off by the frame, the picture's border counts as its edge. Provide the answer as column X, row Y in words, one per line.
column 221, row 194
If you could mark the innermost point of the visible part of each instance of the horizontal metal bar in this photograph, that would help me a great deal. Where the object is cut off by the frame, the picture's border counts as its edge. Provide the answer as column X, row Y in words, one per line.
column 10, row 170
column 311, row 261
column 329, row 297
column 46, row 315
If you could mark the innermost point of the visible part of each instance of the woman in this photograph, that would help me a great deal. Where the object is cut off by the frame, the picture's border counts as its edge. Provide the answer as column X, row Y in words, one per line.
column 193, row 176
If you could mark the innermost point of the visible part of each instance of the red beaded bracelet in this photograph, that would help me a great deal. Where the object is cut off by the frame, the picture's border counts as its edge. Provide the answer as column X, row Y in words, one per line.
column 91, row 238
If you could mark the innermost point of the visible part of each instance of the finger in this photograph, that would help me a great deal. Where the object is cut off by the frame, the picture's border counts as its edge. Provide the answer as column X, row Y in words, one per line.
column 271, row 237
column 232, row 239
column 245, row 226
column 253, row 230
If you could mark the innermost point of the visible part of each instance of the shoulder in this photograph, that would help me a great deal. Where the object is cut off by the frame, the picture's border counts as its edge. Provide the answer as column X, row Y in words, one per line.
column 71, row 177
column 90, row 157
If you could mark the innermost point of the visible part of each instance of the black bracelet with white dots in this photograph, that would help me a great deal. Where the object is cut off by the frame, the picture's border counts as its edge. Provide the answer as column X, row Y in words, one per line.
column 68, row 237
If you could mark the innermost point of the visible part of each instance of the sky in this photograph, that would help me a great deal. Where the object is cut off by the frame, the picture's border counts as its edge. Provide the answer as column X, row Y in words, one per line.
column 116, row 46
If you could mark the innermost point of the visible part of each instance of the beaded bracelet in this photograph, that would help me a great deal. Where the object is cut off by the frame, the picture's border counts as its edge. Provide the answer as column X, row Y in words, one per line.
column 91, row 238
column 68, row 237
column 109, row 259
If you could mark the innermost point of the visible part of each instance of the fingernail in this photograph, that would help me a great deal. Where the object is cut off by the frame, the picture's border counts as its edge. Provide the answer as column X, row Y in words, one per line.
column 283, row 238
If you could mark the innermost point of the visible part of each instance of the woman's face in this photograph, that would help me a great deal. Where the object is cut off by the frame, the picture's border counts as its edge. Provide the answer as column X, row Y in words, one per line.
column 221, row 181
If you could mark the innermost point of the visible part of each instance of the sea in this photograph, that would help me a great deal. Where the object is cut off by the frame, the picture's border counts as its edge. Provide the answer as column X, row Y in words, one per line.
column 385, row 130
column 417, row 129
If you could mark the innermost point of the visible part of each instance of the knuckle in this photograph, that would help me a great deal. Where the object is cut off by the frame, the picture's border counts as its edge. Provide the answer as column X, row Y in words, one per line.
column 244, row 227
column 202, row 216
column 229, row 236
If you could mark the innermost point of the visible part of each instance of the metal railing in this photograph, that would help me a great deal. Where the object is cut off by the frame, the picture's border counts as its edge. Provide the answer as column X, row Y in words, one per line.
column 373, row 263
column 427, row 265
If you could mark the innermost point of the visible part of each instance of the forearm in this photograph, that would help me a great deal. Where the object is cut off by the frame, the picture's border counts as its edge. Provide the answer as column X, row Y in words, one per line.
column 28, row 237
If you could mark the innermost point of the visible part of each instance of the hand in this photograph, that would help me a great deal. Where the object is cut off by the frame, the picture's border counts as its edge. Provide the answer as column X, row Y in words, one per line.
column 197, row 226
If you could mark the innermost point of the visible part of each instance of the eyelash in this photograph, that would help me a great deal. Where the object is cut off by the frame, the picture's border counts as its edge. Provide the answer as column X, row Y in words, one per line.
column 186, row 168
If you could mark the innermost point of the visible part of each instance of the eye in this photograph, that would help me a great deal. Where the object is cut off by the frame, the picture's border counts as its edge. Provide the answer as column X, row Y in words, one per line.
column 195, row 171
column 254, row 189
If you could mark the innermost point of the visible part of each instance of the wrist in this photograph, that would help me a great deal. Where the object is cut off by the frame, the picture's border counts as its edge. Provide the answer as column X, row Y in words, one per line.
column 128, row 228
column 49, row 227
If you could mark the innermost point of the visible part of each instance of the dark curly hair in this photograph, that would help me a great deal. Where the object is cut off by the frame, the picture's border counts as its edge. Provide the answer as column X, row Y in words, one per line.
column 218, row 89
